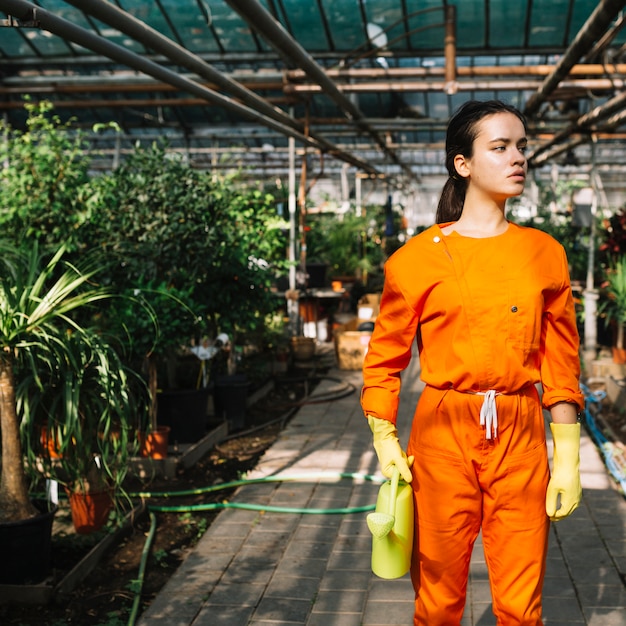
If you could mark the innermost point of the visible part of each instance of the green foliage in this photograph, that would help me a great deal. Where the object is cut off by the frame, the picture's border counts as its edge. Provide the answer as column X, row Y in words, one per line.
column 45, row 180
column 613, row 237
column 613, row 305
column 160, row 557
column 215, row 247
column 195, row 525
column 37, row 296
column 351, row 245
column 79, row 423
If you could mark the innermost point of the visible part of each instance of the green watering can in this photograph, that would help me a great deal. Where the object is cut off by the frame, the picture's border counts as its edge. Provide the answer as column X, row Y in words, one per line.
column 391, row 525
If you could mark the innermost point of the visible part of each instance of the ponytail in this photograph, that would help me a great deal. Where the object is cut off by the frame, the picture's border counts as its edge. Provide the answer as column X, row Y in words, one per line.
column 451, row 200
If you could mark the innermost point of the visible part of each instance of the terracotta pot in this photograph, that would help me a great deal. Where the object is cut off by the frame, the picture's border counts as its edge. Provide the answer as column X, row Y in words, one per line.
column 154, row 444
column 90, row 511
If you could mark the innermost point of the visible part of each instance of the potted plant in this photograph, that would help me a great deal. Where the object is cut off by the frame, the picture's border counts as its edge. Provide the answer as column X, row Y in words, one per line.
column 88, row 410
column 160, row 325
column 613, row 306
column 37, row 300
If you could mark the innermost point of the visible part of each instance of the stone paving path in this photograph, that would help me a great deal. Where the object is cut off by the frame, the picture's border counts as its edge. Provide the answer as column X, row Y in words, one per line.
column 255, row 568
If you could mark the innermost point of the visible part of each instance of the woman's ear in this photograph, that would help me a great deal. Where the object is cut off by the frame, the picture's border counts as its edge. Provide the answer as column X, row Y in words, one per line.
column 461, row 166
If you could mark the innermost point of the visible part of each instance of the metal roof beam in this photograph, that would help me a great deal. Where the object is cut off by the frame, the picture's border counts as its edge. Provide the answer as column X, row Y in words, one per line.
column 611, row 123
column 260, row 20
column 592, row 29
column 149, row 37
column 276, row 79
column 22, row 9
column 582, row 124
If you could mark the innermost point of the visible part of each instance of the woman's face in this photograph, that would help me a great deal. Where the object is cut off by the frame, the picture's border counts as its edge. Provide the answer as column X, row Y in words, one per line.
column 498, row 166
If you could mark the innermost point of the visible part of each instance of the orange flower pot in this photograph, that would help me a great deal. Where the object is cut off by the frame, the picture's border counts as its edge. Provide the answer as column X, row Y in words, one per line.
column 90, row 511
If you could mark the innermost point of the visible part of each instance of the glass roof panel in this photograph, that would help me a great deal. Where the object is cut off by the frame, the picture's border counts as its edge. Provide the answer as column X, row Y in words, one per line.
column 12, row 44
column 528, row 32
column 513, row 14
column 549, row 23
column 46, row 43
column 470, row 24
column 78, row 18
column 233, row 32
column 385, row 24
column 425, row 24
column 151, row 15
column 304, row 22
column 345, row 23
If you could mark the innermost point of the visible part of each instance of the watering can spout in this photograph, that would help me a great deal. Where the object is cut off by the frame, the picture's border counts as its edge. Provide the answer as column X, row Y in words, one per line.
column 381, row 523
column 391, row 525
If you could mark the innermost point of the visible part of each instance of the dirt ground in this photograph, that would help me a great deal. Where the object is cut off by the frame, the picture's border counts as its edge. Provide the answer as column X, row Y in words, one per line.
column 105, row 597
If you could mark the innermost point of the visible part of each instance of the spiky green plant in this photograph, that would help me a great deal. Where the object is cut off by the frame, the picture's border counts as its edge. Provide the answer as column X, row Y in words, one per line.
column 613, row 305
column 38, row 298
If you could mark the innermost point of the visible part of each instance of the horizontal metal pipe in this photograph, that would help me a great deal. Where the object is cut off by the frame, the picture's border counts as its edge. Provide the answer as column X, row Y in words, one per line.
column 593, row 69
column 468, row 85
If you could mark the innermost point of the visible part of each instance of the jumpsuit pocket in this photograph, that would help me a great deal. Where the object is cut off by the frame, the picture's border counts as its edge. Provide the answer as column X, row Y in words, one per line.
column 525, row 309
column 445, row 491
column 522, row 494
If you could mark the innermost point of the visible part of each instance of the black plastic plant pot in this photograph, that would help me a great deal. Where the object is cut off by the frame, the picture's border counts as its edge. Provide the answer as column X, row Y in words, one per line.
column 26, row 547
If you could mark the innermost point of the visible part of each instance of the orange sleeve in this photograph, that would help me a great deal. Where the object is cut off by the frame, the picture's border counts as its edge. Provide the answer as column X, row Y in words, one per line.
column 560, row 361
column 389, row 352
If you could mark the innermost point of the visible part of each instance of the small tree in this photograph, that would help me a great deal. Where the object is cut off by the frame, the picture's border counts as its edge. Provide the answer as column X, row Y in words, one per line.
column 174, row 230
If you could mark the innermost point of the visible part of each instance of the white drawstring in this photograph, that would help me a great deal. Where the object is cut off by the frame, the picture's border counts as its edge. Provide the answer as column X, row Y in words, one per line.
column 489, row 413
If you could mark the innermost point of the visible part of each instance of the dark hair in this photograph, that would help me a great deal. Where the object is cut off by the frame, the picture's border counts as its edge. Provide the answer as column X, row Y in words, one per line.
column 460, row 136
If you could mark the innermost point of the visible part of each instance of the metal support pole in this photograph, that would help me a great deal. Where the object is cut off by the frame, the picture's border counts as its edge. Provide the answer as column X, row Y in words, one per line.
column 449, row 45
column 292, row 301
column 591, row 295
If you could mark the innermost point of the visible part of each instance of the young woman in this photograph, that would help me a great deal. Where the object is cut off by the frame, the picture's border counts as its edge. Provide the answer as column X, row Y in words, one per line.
column 490, row 306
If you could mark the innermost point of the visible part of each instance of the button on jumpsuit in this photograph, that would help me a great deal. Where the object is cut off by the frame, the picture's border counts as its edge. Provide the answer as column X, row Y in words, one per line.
column 493, row 319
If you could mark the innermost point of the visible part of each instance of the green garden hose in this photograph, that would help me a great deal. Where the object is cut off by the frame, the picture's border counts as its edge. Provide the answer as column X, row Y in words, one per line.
column 213, row 506
column 142, row 568
column 251, row 481
column 235, row 505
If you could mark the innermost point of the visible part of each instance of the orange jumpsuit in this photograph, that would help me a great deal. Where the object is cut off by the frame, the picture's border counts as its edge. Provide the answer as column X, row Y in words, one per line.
column 493, row 317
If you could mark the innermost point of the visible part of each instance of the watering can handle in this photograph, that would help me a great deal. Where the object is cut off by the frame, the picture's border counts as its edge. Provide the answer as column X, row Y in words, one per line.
column 395, row 477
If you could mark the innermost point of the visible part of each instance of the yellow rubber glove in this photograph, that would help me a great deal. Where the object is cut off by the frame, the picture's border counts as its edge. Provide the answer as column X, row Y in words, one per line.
column 388, row 448
column 565, row 480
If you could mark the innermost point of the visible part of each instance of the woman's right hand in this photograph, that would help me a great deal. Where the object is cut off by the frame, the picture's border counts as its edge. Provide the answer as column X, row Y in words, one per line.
column 388, row 448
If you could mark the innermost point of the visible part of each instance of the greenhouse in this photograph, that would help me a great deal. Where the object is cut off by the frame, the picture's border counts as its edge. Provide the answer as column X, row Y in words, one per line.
column 245, row 225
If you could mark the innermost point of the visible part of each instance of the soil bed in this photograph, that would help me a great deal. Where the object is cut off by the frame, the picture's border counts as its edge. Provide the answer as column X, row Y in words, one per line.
column 106, row 596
